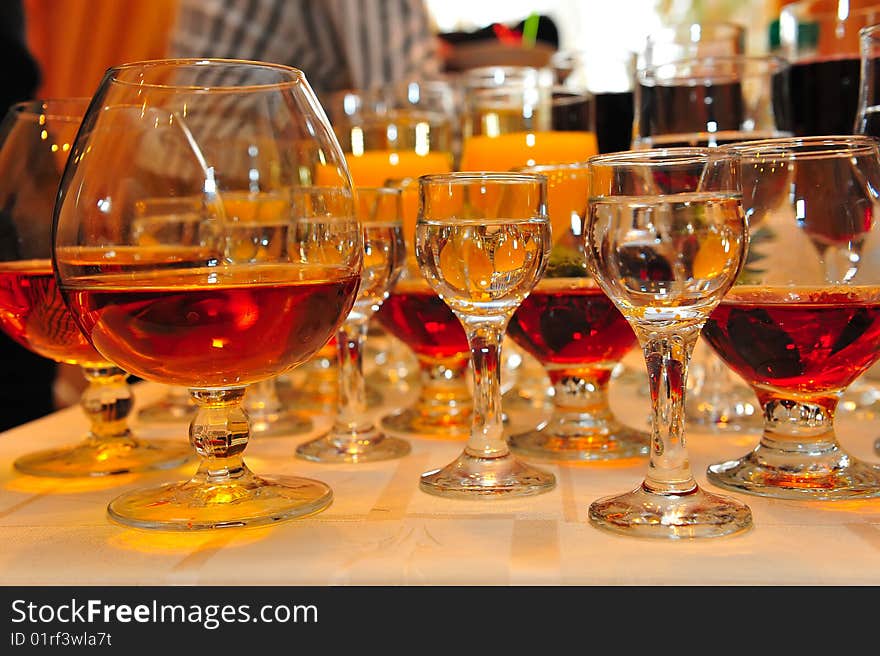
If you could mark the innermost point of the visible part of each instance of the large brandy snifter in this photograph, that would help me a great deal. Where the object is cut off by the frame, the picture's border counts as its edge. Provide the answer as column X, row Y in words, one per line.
column 35, row 140
column 666, row 239
column 482, row 241
column 205, row 315
column 803, row 321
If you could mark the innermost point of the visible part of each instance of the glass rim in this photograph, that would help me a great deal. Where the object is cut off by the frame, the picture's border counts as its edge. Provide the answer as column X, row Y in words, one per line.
column 41, row 106
column 772, row 64
column 810, row 147
column 466, row 177
column 296, row 75
column 378, row 190
column 870, row 32
column 583, row 165
column 659, row 157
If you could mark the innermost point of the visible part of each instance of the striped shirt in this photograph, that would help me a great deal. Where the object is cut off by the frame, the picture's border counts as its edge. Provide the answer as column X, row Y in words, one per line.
column 338, row 44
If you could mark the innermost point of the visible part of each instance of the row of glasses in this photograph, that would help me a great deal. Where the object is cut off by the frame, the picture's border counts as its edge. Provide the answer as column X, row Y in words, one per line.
column 665, row 239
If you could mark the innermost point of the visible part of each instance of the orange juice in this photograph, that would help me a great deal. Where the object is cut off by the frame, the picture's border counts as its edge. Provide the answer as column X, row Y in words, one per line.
column 373, row 168
column 507, row 151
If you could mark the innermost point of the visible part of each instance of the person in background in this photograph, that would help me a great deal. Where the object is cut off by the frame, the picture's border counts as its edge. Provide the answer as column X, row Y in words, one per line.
column 338, row 44
column 26, row 381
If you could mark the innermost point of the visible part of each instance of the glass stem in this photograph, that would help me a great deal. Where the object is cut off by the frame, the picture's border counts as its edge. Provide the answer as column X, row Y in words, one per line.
column 107, row 402
column 219, row 433
column 487, row 433
column 351, row 407
column 667, row 356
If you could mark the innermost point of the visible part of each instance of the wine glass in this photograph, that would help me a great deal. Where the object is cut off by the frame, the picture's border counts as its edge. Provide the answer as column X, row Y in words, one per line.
column 666, row 239
column 35, row 139
column 821, row 40
column 578, row 335
column 482, row 242
column 354, row 436
column 709, row 101
column 204, row 315
column 803, row 321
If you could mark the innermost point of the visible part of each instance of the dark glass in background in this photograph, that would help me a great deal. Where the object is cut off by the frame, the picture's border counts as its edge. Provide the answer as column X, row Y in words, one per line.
column 614, row 120
column 820, row 39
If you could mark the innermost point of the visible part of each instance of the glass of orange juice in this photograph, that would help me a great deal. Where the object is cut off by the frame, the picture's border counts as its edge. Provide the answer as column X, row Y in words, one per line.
column 511, row 119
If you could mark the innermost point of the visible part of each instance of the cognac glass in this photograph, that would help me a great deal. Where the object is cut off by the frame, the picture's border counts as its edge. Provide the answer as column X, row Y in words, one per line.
column 228, row 137
column 574, row 330
column 354, row 436
column 666, row 239
column 482, row 241
column 803, row 321
column 35, row 139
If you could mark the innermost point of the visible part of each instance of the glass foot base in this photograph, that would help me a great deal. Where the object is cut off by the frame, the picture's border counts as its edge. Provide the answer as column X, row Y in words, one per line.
column 275, row 425
column 834, row 477
column 547, row 444
column 331, row 448
column 411, row 422
column 471, row 477
column 199, row 504
column 696, row 514
column 93, row 458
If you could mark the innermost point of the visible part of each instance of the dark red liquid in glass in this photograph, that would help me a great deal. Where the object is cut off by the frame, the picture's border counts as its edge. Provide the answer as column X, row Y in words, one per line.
column 815, row 345
column 824, row 96
column 181, row 330
column 564, row 324
column 420, row 319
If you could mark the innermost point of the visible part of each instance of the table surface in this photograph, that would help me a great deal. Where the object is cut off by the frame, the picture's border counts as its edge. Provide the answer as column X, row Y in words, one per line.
column 382, row 530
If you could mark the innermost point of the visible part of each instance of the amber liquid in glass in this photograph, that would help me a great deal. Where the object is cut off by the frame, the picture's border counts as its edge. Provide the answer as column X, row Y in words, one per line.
column 214, row 327
column 815, row 343
column 33, row 313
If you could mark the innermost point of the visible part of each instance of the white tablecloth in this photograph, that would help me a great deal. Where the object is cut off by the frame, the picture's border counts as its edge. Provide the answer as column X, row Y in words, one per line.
column 381, row 529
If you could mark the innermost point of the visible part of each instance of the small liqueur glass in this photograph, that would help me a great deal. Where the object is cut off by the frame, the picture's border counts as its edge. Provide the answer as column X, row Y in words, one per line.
column 482, row 242
column 666, row 239
column 574, row 330
column 354, row 436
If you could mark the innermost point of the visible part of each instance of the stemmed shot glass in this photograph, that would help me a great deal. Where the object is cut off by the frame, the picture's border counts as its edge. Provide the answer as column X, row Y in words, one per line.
column 35, row 140
column 354, row 436
column 482, row 241
column 803, row 321
column 578, row 335
column 205, row 315
column 666, row 239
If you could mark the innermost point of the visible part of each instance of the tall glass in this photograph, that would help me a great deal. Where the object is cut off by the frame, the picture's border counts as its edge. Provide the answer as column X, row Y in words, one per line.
column 507, row 121
column 693, row 40
column 35, row 140
column 666, row 239
column 232, row 136
column 821, row 40
column 574, row 330
column 803, row 320
column 354, row 437
column 482, row 242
